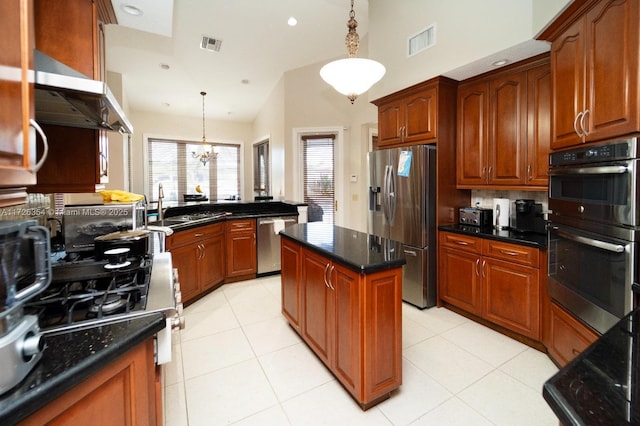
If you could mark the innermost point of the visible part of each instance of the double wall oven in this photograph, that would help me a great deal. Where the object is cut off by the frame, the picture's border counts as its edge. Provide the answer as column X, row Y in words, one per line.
column 594, row 230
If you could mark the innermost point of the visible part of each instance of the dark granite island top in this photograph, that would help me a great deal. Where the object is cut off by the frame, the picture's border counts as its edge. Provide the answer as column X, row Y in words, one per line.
column 602, row 385
column 70, row 358
column 361, row 252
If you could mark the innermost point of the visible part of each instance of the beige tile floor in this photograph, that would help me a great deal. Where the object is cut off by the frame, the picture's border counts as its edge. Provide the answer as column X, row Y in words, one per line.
column 238, row 362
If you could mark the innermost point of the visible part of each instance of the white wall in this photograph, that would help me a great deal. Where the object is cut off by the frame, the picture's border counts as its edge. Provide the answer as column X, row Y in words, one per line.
column 185, row 128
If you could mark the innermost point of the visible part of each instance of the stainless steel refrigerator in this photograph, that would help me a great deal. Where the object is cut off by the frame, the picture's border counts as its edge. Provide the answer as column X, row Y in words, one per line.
column 402, row 207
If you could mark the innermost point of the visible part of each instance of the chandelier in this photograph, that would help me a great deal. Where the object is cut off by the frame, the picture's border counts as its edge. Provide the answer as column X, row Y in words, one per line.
column 352, row 76
column 207, row 153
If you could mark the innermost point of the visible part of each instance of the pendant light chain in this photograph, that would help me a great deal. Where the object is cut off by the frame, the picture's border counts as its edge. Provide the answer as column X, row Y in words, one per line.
column 352, row 40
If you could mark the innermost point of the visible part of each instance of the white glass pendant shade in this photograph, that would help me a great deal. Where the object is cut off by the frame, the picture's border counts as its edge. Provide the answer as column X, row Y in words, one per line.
column 352, row 76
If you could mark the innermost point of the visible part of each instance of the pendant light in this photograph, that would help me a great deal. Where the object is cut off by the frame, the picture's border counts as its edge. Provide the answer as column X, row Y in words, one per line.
column 207, row 153
column 352, row 76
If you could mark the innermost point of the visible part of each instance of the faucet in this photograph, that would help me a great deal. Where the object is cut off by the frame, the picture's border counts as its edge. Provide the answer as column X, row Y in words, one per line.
column 160, row 197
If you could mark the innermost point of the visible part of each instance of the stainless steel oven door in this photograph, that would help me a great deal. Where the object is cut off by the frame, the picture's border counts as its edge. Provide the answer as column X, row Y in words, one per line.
column 591, row 275
column 606, row 193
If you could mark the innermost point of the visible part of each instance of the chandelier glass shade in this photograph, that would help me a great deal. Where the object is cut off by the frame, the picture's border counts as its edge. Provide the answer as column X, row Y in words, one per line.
column 352, row 76
column 207, row 153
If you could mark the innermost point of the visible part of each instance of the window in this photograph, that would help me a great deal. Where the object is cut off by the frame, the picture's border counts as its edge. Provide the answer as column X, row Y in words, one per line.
column 261, row 168
column 318, row 176
column 171, row 163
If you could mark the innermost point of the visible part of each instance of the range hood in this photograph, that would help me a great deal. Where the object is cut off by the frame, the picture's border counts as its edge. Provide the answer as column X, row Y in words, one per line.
column 66, row 97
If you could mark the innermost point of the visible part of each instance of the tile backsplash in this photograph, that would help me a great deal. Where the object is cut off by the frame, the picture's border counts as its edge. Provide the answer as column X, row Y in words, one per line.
column 38, row 207
column 485, row 198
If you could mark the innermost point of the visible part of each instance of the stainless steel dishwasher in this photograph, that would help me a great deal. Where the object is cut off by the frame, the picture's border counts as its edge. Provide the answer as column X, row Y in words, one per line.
column 269, row 242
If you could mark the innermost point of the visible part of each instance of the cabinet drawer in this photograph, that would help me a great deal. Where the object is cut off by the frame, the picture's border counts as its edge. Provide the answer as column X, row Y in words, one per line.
column 515, row 253
column 241, row 225
column 460, row 241
column 195, row 234
column 568, row 336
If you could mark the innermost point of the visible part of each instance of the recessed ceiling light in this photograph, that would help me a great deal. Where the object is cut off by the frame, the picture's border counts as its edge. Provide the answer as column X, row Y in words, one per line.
column 165, row 66
column 500, row 63
column 245, row 81
column 166, row 104
column 292, row 22
column 131, row 9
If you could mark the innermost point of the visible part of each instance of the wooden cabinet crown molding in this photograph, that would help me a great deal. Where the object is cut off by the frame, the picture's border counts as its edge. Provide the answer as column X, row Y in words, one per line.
column 567, row 17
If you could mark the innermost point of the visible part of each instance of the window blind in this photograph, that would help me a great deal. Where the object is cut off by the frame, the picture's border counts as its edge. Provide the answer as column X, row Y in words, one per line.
column 171, row 163
column 318, row 176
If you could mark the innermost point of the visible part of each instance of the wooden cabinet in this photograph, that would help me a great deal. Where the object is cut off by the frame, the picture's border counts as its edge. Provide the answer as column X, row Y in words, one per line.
column 567, row 336
column 410, row 119
column 594, row 63
column 242, row 261
column 352, row 321
column 495, row 280
column 411, row 116
column 502, row 139
column 199, row 255
column 72, row 32
column 17, row 136
column 121, row 393
column 290, row 278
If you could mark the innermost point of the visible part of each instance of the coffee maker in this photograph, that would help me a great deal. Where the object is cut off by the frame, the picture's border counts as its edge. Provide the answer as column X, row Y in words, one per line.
column 25, row 271
column 527, row 217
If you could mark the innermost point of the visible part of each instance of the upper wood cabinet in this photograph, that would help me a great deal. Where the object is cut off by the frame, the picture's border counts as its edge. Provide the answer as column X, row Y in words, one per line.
column 72, row 32
column 411, row 116
column 18, row 163
column 502, row 138
column 594, row 63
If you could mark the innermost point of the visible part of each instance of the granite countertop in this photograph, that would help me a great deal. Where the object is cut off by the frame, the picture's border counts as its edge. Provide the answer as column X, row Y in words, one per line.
column 525, row 239
column 361, row 252
column 71, row 357
column 602, row 385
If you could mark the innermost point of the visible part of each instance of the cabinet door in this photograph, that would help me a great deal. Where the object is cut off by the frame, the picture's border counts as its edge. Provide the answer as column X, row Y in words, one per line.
column 290, row 281
column 346, row 327
column 508, row 126
column 611, row 104
column 512, row 296
column 568, row 336
column 459, row 279
column 473, row 104
column 185, row 259
column 17, row 140
column 241, row 254
column 420, row 113
column 538, row 125
column 316, row 301
column 389, row 123
column 211, row 264
column 567, row 71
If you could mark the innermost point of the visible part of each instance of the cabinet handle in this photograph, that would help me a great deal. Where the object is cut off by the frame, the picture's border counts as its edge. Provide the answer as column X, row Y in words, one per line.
column 204, row 252
column 462, row 243
column 509, row 253
column 324, row 276
column 333, row 268
column 198, row 234
column 575, row 123
column 582, row 119
column 45, row 144
column 477, row 263
column 484, row 262
column 529, row 171
column 484, row 173
column 489, row 174
column 104, row 164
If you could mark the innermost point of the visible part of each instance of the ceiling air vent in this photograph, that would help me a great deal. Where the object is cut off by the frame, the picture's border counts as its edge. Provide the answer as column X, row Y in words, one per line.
column 422, row 41
column 210, row 43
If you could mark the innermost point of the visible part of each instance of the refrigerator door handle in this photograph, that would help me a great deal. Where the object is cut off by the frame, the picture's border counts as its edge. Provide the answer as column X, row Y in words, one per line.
column 385, row 194
column 392, row 195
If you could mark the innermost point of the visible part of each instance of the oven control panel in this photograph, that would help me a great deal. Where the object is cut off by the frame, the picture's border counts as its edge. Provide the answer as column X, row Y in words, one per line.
column 610, row 151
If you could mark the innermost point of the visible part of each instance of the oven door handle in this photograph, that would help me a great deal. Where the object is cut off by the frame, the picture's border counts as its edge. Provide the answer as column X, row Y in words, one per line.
column 616, row 248
column 602, row 170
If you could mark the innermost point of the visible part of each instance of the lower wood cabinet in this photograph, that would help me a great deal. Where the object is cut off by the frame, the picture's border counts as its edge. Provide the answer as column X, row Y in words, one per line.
column 242, row 260
column 199, row 255
column 567, row 336
column 122, row 393
column 352, row 321
column 495, row 280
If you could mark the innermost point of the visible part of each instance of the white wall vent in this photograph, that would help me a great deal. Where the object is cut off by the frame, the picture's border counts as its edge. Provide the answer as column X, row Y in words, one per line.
column 422, row 40
column 210, row 43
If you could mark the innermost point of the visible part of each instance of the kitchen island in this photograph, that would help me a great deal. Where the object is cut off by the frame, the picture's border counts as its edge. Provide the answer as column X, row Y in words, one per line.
column 342, row 293
column 107, row 371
